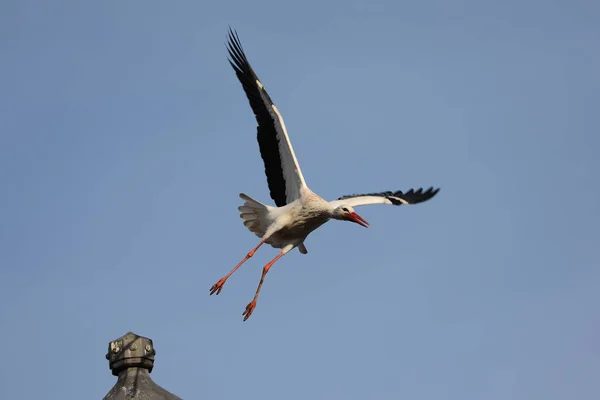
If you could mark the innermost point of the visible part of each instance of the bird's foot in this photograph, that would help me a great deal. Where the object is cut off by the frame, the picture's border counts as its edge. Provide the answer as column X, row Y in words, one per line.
column 249, row 310
column 217, row 286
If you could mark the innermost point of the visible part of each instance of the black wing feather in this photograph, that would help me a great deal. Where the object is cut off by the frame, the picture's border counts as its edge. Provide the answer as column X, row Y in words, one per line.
column 266, row 133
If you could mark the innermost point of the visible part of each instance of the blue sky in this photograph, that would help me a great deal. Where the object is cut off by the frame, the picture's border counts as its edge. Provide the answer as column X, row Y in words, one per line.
column 125, row 139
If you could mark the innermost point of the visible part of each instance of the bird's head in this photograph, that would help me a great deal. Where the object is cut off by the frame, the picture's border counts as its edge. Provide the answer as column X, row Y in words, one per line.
column 347, row 213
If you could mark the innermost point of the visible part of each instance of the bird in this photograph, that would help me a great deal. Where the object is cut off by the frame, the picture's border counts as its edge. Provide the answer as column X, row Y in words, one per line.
column 298, row 211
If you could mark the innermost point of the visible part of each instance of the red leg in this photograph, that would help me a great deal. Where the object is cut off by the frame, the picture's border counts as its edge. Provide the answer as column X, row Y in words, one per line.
column 250, row 307
column 219, row 285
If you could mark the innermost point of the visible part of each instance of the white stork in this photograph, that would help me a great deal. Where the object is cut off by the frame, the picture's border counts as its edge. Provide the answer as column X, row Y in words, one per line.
column 299, row 211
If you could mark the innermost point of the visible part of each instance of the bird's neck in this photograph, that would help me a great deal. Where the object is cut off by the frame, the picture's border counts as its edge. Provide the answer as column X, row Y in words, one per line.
column 331, row 212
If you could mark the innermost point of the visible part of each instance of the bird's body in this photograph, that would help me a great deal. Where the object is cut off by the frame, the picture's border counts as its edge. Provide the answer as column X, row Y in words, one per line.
column 299, row 211
column 289, row 224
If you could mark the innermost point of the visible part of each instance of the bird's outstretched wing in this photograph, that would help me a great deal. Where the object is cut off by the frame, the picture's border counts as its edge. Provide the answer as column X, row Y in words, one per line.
column 394, row 198
column 284, row 177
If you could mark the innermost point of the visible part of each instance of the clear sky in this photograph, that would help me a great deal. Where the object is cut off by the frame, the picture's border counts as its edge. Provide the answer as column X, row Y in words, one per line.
column 125, row 139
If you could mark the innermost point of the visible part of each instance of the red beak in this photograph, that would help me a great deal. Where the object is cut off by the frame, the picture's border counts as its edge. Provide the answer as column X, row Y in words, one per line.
column 354, row 217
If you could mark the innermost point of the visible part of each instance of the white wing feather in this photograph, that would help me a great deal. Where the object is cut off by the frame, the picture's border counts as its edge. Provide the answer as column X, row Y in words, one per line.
column 363, row 201
column 397, row 198
column 294, row 180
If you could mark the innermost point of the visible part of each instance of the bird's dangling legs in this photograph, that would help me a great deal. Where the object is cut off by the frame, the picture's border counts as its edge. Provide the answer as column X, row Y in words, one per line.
column 219, row 285
column 250, row 307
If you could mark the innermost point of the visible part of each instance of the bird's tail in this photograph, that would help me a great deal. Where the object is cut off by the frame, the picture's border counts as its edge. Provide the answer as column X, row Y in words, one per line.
column 255, row 215
column 250, row 202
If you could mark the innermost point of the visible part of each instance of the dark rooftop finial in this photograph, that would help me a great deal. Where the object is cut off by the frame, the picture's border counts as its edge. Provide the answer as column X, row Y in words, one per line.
column 130, row 350
column 131, row 358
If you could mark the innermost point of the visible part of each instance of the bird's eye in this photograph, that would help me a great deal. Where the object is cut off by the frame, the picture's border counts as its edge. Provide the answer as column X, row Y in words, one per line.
column 345, row 209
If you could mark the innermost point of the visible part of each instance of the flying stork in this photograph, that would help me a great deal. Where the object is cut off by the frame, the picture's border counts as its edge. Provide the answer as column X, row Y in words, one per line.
column 298, row 210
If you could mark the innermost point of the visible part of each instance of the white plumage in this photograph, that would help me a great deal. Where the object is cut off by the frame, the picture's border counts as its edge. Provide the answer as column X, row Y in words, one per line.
column 298, row 211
